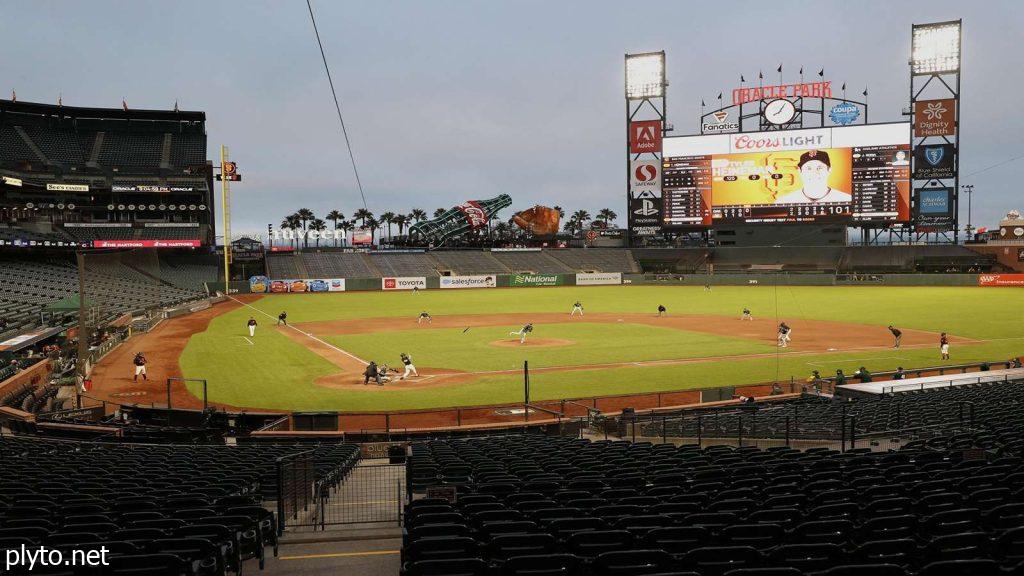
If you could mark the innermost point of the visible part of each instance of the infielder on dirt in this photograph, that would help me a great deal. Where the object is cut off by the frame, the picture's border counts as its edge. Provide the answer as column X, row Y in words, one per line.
column 747, row 315
column 407, row 360
column 784, row 332
column 282, row 318
column 576, row 307
column 522, row 333
column 897, row 335
column 661, row 310
column 252, row 326
column 424, row 316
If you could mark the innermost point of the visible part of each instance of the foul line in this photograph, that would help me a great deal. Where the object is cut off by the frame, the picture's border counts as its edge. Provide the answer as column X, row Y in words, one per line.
column 307, row 334
column 251, row 343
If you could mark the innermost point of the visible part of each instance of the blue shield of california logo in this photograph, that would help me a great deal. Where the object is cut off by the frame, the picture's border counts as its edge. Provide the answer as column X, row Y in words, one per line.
column 934, row 155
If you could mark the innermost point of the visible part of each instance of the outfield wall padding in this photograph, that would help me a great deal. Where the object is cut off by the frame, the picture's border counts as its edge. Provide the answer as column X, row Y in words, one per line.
column 783, row 279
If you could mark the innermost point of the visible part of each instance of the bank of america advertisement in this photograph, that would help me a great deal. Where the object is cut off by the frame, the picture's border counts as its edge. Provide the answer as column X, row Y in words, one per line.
column 599, row 279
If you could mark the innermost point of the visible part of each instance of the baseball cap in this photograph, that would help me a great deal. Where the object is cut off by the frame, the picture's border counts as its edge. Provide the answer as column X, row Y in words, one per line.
column 814, row 155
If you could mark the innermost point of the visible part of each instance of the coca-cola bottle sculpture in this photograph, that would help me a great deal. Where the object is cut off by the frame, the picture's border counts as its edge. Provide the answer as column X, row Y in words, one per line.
column 466, row 217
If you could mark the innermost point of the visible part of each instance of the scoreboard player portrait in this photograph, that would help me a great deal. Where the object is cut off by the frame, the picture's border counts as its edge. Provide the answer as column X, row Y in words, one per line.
column 817, row 184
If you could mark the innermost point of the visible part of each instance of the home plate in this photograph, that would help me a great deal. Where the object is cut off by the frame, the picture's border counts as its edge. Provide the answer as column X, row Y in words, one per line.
column 620, row 319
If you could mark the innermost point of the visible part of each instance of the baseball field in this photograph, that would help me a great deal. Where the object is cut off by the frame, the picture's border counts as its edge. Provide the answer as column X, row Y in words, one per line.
column 467, row 355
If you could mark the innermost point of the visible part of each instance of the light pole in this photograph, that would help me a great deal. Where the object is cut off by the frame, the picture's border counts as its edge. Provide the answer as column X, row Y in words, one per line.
column 969, row 188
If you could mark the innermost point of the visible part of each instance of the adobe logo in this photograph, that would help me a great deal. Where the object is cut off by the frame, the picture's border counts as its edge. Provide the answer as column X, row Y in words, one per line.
column 645, row 136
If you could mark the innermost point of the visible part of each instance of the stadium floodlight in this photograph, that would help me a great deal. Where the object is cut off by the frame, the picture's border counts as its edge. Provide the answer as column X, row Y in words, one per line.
column 645, row 75
column 935, row 48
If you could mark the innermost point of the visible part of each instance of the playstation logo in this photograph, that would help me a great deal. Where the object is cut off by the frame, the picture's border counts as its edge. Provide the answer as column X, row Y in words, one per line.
column 646, row 208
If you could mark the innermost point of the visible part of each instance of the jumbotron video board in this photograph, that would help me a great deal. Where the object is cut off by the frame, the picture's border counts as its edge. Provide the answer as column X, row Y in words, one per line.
column 851, row 175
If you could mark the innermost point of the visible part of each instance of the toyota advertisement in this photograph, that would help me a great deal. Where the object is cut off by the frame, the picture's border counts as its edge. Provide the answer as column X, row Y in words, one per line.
column 403, row 283
column 843, row 174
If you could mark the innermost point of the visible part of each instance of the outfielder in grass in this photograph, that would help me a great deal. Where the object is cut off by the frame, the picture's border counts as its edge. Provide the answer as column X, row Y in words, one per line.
column 576, row 307
column 522, row 333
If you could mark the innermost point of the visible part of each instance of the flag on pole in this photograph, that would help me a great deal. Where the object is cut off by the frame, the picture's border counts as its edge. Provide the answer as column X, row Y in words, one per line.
column 779, row 70
column 821, row 73
column 760, row 76
column 719, row 95
column 865, row 91
column 14, row 96
column 175, row 105
column 801, row 70
column 741, row 79
column 124, row 104
column 702, row 104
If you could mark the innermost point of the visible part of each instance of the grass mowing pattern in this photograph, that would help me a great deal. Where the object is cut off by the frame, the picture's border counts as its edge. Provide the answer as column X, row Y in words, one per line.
column 277, row 373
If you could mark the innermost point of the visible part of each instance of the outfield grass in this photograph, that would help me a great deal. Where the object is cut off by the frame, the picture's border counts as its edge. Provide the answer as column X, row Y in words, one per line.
column 277, row 372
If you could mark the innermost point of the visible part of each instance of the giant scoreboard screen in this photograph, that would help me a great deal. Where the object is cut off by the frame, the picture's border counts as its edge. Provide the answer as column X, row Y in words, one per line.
column 851, row 174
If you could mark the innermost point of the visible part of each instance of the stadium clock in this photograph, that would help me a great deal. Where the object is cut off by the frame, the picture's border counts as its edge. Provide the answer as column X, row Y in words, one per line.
column 779, row 111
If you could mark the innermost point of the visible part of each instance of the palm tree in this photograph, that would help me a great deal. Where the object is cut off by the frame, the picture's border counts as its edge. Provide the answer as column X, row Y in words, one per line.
column 402, row 221
column 371, row 223
column 387, row 218
column 363, row 215
column 561, row 212
column 319, row 226
column 292, row 222
column 570, row 227
column 580, row 217
column 418, row 215
column 334, row 216
column 305, row 217
column 439, row 212
column 606, row 215
column 346, row 226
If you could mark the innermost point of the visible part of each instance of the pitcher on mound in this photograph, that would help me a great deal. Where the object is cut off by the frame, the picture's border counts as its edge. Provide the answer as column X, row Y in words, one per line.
column 522, row 333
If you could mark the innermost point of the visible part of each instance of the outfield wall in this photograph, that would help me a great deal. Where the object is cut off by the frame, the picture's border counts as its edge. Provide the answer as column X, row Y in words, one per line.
column 483, row 281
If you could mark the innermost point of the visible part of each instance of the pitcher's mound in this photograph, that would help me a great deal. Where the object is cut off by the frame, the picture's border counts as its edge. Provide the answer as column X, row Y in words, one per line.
column 532, row 342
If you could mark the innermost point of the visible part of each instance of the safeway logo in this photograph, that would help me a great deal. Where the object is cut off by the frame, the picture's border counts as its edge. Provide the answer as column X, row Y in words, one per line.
column 645, row 136
column 645, row 173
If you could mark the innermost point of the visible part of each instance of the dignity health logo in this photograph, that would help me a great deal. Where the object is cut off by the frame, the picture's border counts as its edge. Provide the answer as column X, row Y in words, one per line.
column 934, row 111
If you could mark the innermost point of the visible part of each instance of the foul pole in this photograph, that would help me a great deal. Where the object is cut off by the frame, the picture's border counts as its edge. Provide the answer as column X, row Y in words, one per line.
column 225, row 192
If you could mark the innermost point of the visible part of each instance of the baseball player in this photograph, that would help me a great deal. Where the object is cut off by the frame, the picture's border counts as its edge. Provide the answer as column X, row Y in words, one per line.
column 896, row 334
column 282, row 318
column 373, row 373
column 522, row 333
column 407, row 360
column 140, row 366
column 944, row 346
column 746, row 315
column 424, row 316
column 661, row 310
column 252, row 326
column 576, row 307
column 707, row 287
column 784, row 332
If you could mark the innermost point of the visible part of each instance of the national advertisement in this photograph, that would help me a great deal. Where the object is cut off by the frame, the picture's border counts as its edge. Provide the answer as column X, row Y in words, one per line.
column 536, row 280
column 403, row 283
column 934, row 161
column 468, row 281
column 598, row 278
column 146, row 243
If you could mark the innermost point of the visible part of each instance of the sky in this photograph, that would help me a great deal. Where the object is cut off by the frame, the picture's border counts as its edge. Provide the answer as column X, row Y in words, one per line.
column 447, row 101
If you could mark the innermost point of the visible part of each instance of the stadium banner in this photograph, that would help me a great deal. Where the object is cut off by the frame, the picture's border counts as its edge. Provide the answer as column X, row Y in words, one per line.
column 536, row 280
column 934, row 209
column 645, row 216
column 67, row 187
column 468, row 281
column 145, row 243
column 263, row 285
column 403, row 283
column 1001, row 280
column 598, row 278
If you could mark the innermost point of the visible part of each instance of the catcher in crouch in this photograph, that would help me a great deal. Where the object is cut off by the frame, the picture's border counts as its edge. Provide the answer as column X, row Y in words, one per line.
column 522, row 333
